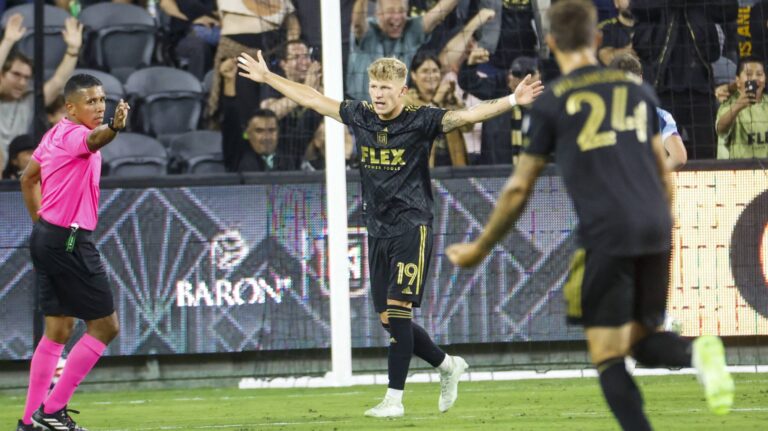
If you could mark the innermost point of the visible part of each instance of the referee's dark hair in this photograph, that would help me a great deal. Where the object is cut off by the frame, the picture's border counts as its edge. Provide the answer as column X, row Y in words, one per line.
column 573, row 24
column 79, row 82
column 628, row 63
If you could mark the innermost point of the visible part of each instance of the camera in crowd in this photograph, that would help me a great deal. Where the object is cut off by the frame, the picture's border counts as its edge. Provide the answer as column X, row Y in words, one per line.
column 751, row 87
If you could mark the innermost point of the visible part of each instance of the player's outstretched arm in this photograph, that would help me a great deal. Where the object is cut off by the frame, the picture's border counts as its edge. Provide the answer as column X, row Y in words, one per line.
column 30, row 188
column 511, row 202
column 306, row 96
column 105, row 133
column 525, row 93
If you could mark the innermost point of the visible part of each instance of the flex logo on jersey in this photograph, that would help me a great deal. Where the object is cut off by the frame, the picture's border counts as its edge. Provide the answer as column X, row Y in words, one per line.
column 382, row 158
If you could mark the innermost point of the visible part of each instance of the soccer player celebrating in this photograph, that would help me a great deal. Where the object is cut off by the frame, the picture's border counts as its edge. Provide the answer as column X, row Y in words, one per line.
column 601, row 125
column 394, row 143
column 61, row 191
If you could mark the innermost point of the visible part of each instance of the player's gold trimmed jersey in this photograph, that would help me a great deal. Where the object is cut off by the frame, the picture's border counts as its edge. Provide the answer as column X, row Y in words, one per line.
column 599, row 123
column 394, row 165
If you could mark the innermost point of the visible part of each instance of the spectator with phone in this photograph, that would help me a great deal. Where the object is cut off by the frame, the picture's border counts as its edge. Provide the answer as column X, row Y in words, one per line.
column 742, row 120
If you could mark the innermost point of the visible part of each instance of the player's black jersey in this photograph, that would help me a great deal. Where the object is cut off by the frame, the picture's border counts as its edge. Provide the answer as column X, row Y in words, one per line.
column 394, row 165
column 599, row 123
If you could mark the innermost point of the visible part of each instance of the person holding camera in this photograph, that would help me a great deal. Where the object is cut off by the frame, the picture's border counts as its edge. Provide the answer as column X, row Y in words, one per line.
column 742, row 120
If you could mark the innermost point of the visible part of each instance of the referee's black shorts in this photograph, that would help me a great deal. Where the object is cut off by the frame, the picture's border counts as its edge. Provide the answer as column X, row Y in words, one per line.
column 399, row 267
column 70, row 283
column 606, row 290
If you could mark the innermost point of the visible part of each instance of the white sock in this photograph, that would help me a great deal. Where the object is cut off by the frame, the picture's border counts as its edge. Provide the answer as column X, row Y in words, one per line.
column 446, row 365
column 395, row 394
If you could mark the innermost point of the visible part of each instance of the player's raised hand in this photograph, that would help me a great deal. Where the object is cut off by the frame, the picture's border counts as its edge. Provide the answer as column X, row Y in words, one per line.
column 14, row 28
column 253, row 69
column 121, row 115
column 528, row 90
column 466, row 254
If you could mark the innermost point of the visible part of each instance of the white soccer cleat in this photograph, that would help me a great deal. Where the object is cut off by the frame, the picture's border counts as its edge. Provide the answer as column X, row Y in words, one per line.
column 709, row 360
column 387, row 408
column 449, row 384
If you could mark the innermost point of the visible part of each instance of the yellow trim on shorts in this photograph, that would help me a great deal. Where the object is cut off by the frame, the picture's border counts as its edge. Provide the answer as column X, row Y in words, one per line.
column 572, row 287
column 422, row 246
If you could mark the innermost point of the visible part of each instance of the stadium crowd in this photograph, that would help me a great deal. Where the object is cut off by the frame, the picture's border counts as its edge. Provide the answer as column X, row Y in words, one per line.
column 173, row 60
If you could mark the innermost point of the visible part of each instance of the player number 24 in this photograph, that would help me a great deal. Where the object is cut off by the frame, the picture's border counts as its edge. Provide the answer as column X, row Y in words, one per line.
column 590, row 137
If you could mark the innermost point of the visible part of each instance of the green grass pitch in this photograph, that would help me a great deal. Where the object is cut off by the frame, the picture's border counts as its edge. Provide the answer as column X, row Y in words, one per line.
column 673, row 403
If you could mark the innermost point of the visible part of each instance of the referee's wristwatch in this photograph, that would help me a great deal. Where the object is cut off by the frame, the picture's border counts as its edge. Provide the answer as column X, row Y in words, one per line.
column 111, row 125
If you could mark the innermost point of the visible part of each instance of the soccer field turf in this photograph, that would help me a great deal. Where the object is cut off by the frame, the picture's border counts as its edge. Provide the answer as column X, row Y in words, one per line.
column 673, row 403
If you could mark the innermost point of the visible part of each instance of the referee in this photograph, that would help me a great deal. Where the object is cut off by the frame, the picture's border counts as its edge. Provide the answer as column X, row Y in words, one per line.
column 61, row 191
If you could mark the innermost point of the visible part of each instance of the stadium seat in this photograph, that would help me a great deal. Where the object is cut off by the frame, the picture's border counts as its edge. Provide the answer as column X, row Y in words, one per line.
column 165, row 101
column 55, row 47
column 134, row 155
column 112, row 88
column 120, row 38
column 197, row 152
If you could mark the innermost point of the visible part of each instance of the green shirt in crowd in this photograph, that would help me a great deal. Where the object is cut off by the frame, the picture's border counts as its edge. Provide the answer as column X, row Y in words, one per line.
column 748, row 136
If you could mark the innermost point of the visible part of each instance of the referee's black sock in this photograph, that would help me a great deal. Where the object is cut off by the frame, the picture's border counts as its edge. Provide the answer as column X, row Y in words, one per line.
column 400, row 344
column 622, row 395
column 425, row 348
column 663, row 349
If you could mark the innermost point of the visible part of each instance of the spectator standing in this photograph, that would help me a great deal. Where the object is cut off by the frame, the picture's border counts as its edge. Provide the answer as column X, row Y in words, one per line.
column 247, row 26
column 518, row 36
column 617, row 33
column 194, row 33
column 742, row 120
column 676, row 42
column 16, row 100
column 390, row 34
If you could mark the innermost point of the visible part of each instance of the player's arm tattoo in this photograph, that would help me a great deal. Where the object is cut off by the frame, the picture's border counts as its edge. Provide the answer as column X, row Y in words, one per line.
column 478, row 113
column 453, row 120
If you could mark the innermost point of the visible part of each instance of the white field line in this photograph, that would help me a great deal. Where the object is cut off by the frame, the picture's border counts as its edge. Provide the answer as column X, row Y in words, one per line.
column 477, row 376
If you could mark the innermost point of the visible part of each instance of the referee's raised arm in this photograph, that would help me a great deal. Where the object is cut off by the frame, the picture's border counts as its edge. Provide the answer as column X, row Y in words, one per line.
column 306, row 96
column 105, row 133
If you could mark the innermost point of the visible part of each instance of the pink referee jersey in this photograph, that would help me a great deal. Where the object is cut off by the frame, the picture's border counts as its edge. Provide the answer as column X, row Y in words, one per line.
column 70, row 176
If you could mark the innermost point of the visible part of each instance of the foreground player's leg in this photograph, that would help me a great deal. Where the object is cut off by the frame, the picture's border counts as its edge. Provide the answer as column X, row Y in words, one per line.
column 622, row 395
column 709, row 361
column 607, row 348
column 43, row 366
column 53, row 414
column 706, row 354
column 398, row 361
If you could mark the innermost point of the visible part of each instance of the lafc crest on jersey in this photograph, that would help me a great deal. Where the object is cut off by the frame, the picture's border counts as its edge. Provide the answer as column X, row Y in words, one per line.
column 381, row 137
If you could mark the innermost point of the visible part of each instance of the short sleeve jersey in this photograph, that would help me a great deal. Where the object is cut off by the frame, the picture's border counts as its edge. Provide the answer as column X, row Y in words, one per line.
column 667, row 124
column 70, row 176
column 599, row 123
column 394, row 165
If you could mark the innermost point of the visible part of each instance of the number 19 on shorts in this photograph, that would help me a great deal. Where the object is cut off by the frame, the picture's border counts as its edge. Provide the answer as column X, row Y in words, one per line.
column 408, row 274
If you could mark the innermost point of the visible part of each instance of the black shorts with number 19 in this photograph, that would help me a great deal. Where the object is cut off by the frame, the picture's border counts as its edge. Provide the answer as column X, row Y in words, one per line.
column 399, row 266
